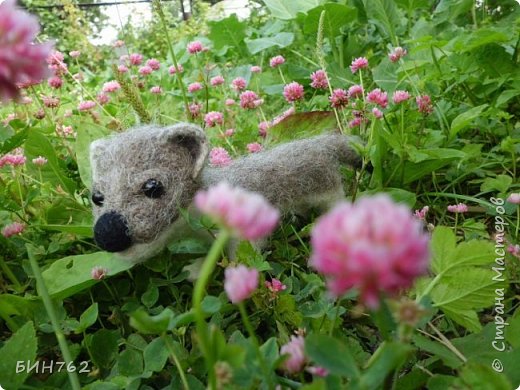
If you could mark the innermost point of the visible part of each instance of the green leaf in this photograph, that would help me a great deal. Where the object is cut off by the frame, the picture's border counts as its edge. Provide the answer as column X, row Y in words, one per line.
column 336, row 17
column 247, row 254
column 312, row 309
column 415, row 171
column 451, row 9
column 384, row 320
column 413, row 4
column 441, row 382
column 37, row 144
column 150, row 296
column 332, row 354
column 68, row 212
column 385, row 15
column 102, row 347
column 80, row 230
column 70, row 275
column 210, row 304
column 135, row 340
column 88, row 318
column 434, row 154
column 189, row 246
column 402, row 196
column 147, row 324
column 446, row 255
column 385, row 77
column 130, row 362
column 14, row 141
column 390, row 139
column 227, row 32
column 482, row 376
column 240, row 71
column 303, row 125
column 270, row 351
column 194, row 383
column 155, row 355
column 482, row 36
column 501, row 183
column 464, row 280
column 465, row 288
column 513, row 330
column 437, row 349
column 87, row 133
column 506, row 95
column 271, row 27
column 474, row 346
column 443, row 244
column 20, row 347
column 474, row 252
column 465, row 119
column 318, row 384
column 510, row 361
column 460, row 293
column 98, row 385
column 280, row 40
column 286, row 309
column 13, row 305
column 283, row 9
column 388, row 357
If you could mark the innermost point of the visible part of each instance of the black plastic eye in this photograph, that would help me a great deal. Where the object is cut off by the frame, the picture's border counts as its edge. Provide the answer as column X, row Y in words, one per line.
column 98, row 198
column 153, row 188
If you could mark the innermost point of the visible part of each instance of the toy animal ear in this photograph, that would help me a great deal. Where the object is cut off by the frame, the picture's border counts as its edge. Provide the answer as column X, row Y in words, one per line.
column 97, row 149
column 192, row 138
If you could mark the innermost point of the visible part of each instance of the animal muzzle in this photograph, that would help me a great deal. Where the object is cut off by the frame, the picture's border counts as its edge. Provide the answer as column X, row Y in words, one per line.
column 111, row 232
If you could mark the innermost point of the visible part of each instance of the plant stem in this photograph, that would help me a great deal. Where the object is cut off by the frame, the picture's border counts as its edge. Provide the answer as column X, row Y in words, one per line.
column 341, row 53
column 321, row 60
column 281, row 75
column 49, row 307
column 169, row 345
column 513, row 158
column 474, row 15
column 336, row 315
column 252, row 335
column 517, row 221
column 403, row 141
column 304, row 58
column 10, row 275
column 157, row 5
column 227, row 139
column 202, row 75
column 19, row 185
column 10, row 323
column 115, row 297
column 198, row 293
column 514, row 57
column 456, row 222
column 430, row 287
column 448, row 343
column 359, row 175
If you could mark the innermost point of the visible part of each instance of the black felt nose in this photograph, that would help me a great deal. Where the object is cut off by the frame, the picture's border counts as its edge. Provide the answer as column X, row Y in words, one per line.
column 111, row 232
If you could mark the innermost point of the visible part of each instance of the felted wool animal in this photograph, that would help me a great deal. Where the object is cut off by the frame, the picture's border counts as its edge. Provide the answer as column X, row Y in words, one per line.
column 143, row 177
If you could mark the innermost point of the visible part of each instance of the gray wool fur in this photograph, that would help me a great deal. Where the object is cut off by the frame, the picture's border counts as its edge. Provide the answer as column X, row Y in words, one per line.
column 294, row 177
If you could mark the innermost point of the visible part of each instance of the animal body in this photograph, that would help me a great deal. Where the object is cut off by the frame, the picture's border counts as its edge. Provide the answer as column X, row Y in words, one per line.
column 142, row 178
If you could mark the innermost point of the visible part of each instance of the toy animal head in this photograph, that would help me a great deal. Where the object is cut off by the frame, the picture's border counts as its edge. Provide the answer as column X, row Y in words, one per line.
column 140, row 181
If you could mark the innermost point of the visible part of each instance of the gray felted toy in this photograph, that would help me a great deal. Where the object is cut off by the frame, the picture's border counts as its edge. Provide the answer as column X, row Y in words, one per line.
column 143, row 177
